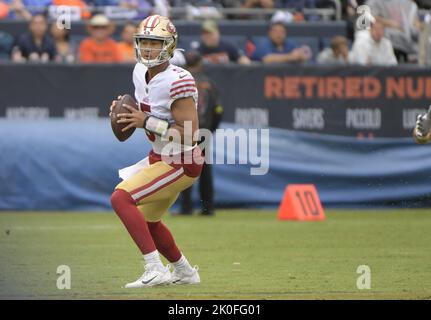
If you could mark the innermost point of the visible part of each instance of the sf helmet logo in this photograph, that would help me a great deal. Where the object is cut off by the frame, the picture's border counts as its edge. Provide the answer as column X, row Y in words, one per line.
column 171, row 28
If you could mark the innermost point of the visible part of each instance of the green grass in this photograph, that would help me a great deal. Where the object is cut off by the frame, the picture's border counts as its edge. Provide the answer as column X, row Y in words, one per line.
column 241, row 255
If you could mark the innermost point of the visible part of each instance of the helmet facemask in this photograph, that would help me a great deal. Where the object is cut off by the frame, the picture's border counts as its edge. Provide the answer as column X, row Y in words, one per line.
column 166, row 51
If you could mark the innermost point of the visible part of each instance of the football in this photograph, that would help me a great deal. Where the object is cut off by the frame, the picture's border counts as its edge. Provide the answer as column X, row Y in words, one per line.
column 118, row 109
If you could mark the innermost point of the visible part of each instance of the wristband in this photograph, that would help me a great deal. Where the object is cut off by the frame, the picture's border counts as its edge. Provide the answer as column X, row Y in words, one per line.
column 156, row 125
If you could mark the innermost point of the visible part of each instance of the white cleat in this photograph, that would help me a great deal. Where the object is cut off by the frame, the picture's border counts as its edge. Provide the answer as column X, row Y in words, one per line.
column 154, row 275
column 181, row 277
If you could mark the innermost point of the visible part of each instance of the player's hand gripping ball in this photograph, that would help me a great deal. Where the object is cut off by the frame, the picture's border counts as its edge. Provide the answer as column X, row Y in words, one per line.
column 124, row 105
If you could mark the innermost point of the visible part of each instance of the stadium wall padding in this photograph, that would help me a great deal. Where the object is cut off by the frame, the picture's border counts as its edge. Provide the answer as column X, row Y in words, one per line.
column 62, row 164
column 347, row 101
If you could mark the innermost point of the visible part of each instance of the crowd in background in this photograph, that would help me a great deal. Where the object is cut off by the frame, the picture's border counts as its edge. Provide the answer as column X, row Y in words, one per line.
column 391, row 39
column 24, row 9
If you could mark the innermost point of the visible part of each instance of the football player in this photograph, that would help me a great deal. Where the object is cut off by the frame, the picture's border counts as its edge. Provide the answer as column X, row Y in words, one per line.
column 167, row 98
column 422, row 131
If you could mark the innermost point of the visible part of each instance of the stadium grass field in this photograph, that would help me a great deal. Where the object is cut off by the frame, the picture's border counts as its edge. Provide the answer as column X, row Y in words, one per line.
column 242, row 254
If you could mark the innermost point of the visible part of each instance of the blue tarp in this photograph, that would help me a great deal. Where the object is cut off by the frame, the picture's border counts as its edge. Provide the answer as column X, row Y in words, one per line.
column 72, row 165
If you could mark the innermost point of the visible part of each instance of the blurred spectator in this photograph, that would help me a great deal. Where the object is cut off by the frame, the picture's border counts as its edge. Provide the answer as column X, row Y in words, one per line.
column 99, row 47
column 210, row 113
column 372, row 48
column 283, row 17
column 350, row 15
column 6, row 43
column 401, row 19
column 200, row 13
column 231, row 4
column 126, row 46
column 4, row 10
column 144, row 6
column 17, row 10
column 215, row 50
column 35, row 45
column 195, row 3
column 424, row 4
column 276, row 48
column 210, row 8
column 337, row 53
column 257, row 4
column 295, row 4
column 161, row 7
column 105, row 3
column 85, row 13
column 36, row 6
column 297, row 7
column 203, row 4
column 349, row 7
column 66, row 51
column 263, row 4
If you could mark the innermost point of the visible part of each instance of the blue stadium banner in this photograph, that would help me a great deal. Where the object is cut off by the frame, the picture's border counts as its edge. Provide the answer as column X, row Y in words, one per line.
column 351, row 101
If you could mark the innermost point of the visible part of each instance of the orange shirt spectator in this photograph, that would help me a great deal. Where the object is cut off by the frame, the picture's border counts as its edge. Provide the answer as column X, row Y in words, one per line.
column 100, row 47
column 127, row 51
column 85, row 14
column 106, row 51
column 4, row 10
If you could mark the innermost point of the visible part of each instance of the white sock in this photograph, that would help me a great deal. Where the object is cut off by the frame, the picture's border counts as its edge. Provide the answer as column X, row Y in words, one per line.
column 183, row 265
column 153, row 258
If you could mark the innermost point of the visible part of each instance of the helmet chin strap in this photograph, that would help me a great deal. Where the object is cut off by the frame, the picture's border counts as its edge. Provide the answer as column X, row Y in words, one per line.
column 154, row 62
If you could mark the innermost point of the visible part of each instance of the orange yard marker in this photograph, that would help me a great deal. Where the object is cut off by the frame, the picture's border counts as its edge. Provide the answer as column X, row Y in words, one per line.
column 301, row 202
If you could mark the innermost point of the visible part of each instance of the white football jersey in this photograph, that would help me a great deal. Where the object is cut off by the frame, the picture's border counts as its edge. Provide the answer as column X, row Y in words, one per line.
column 157, row 96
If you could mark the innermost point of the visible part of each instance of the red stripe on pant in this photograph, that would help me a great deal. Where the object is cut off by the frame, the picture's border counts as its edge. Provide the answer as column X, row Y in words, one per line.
column 159, row 188
column 153, row 181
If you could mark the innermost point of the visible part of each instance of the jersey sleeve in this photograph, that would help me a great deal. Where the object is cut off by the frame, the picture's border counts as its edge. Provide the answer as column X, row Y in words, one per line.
column 182, row 86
